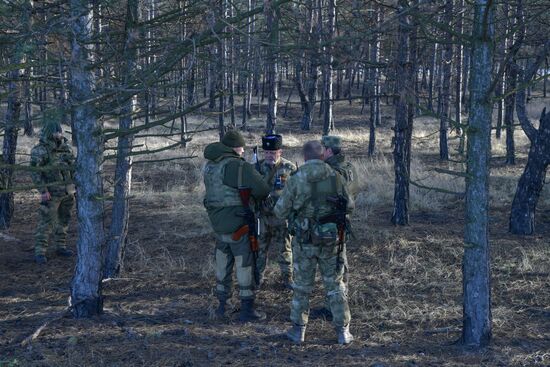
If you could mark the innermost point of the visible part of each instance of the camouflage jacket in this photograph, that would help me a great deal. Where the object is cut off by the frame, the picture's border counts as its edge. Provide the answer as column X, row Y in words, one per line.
column 297, row 200
column 228, row 218
column 347, row 170
column 276, row 177
column 57, row 161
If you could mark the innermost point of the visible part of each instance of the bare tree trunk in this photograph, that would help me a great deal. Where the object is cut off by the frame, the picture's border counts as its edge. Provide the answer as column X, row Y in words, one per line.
column 522, row 216
column 123, row 170
column 86, row 298
column 231, row 72
column 404, row 90
column 458, row 72
column 272, row 29
column 431, row 78
column 446, row 88
column 500, row 88
column 247, row 69
column 531, row 182
column 11, row 122
column 511, row 76
column 511, row 83
column 328, row 121
column 476, row 331
column 374, row 99
column 9, row 147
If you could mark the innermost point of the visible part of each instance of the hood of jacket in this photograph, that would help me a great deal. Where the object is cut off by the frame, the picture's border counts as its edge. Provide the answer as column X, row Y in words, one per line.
column 217, row 151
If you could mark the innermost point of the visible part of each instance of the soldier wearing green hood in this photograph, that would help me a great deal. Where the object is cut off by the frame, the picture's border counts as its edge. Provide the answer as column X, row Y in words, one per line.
column 54, row 174
column 224, row 173
column 276, row 171
column 305, row 201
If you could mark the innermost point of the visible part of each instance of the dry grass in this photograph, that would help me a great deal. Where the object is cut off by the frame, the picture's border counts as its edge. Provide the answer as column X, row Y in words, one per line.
column 405, row 283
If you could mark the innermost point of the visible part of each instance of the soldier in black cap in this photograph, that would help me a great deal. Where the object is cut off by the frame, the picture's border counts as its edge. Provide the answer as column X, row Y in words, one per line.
column 276, row 171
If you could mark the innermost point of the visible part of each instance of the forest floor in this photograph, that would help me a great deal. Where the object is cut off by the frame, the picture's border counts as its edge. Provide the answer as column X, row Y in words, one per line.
column 405, row 283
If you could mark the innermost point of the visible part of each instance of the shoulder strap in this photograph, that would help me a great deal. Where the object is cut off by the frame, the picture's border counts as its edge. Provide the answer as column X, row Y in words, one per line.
column 240, row 174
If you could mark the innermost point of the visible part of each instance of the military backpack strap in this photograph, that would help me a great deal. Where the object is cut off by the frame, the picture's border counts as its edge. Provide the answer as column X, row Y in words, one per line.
column 240, row 174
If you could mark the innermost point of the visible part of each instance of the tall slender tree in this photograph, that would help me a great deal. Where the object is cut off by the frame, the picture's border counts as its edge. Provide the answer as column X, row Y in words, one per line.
column 477, row 330
column 86, row 297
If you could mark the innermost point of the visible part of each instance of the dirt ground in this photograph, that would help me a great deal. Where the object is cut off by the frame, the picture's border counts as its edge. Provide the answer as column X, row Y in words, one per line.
column 405, row 293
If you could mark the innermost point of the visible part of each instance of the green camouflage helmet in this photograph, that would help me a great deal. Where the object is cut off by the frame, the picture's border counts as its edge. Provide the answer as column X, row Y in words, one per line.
column 51, row 122
column 332, row 141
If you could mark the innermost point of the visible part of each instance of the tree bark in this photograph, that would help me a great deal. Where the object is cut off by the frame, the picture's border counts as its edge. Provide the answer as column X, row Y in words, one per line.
column 476, row 331
column 531, row 182
column 328, row 119
column 123, row 171
column 404, row 91
column 446, row 88
column 522, row 217
column 272, row 29
column 374, row 99
column 86, row 298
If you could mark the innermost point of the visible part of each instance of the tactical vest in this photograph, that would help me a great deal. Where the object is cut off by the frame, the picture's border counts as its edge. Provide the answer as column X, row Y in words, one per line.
column 219, row 195
column 309, row 229
column 320, row 191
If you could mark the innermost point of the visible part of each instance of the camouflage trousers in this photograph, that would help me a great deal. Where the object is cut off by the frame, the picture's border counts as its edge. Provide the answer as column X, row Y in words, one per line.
column 275, row 235
column 231, row 253
column 306, row 259
column 345, row 278
column 53, row 215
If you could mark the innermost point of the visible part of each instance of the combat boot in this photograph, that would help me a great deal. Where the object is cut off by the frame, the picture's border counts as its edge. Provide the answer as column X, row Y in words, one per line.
column 40, row 259
column 344, row 336
column 220, row 311
column 248, row 313
column 297, row 333
column 63, row 252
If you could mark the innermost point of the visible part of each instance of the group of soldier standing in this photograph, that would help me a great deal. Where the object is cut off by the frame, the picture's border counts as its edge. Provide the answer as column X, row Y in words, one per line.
column 301, row 210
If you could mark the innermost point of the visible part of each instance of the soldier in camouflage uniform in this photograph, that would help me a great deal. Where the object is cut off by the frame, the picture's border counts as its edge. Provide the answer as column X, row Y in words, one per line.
column 275, row 170
column 304, row 201
column 54, row 161
column 225, row 172
column 335, row 158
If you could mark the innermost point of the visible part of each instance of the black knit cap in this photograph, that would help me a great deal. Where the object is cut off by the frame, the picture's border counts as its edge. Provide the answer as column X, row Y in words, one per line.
column 272, row 142
column 233, row 139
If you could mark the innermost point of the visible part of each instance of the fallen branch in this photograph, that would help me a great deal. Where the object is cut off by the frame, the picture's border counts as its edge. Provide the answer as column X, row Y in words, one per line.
column 28, row 340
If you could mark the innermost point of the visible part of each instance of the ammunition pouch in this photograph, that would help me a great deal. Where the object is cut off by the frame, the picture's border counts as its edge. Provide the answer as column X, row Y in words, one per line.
column 324, row 234
column 309, row 231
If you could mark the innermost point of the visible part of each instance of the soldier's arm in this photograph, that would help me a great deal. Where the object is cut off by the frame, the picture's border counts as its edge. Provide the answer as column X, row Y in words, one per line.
column 251, row 178
column 38, row 159
column 285, row 202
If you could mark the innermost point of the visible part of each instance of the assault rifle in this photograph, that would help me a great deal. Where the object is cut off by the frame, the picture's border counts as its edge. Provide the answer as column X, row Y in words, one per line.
column 253, row 228
column 340, row 204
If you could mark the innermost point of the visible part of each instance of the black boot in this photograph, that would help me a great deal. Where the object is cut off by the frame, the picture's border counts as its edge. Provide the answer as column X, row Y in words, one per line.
column 220, row 311
column 248, row 313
